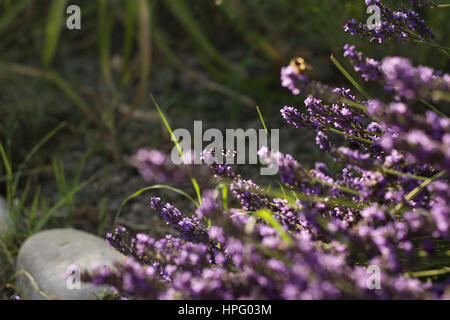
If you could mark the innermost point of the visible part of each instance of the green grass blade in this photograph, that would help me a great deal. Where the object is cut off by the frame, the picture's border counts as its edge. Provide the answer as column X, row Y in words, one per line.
column 250, row 35
column 417, row 190
column 182, row 12
column 349, row 77
column 54, row 25
column 197, row 190
column 402, row 174
column 56, row 79
column 423, row 185
column 6, row 162
column 369, row 142
column 169, row 129
column 428, row 273
column 80, row 167
column 262, row 120
column 12, row 12
column 144, row 41
column 35, row 149
column 6, row 251
column 130, row 22
column 49, row 212
column 267, row 216
column 225, row 197
column 24, row 195
column 177, row 144
column 105, row 25
column 9, row 175
column 327, row 200
column 429, row 105
column 34, row 205
column 58, row 172
column 72, row 95
column 154, row 187
column 30, row 215
column 102, row 217
column 281, row 188
column 29, row 172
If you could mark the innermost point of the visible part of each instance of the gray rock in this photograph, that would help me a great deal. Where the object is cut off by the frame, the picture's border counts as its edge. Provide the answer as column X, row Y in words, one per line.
column 47, row 256
column 5, row 220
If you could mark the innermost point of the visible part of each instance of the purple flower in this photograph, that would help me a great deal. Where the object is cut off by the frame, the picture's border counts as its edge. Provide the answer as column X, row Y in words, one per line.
column 382, row 201
column 369, row 68
column 410, row 82
column 208, row 205
column 398, row 25
column 155, row 166
column 190, row 229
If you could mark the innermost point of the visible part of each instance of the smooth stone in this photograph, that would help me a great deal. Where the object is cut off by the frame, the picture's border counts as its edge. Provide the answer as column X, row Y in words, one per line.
column 5, row 220
column 47, row 256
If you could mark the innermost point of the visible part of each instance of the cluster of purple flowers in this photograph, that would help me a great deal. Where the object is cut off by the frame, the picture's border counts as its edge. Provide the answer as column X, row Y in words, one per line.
column 401, row 25
column 155, row 166
column 369, row 68
column 423, row 139
column 339, row 118
column 320, row 234
column 331, row 234
column 422, row 3
column 191, row 229
column 400, row 76
column 299, row 83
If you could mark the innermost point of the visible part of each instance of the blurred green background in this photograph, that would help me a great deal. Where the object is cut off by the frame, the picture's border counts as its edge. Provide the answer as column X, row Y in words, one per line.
column 201, row 59
column 210, row 60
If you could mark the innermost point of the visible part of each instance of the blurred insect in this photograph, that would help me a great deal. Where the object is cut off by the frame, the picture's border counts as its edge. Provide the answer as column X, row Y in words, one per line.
column 300, row 65
column 225, row 153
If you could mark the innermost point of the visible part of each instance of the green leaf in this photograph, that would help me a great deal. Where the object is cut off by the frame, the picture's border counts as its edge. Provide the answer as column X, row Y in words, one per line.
column 6, row 162
column 267, row 216
column 130, row 22
column 169, row 129
column 35, row 149
column 423, row 185
column 12, row 13
column 349, row 77
column 54, row 25
column 105, row 26
column 428, row 273
column 225, row 197
column 49, row 212
column 197, row 190
column 262, row 120
column 154, row 187
column 144, row 40
column 184, row 15
column 429, row 105
column 177, row 144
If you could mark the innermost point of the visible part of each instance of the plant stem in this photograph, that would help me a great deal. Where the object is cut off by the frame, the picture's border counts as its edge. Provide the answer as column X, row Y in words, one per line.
column 402, row 174
column 434, row 108
column 350, row 136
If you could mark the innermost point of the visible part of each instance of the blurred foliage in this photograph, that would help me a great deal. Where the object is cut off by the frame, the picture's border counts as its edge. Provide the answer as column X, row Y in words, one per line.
column 210, row 60
column 205, row 59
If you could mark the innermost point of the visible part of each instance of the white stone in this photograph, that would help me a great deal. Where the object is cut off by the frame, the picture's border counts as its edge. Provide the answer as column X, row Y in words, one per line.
column 47, row 256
